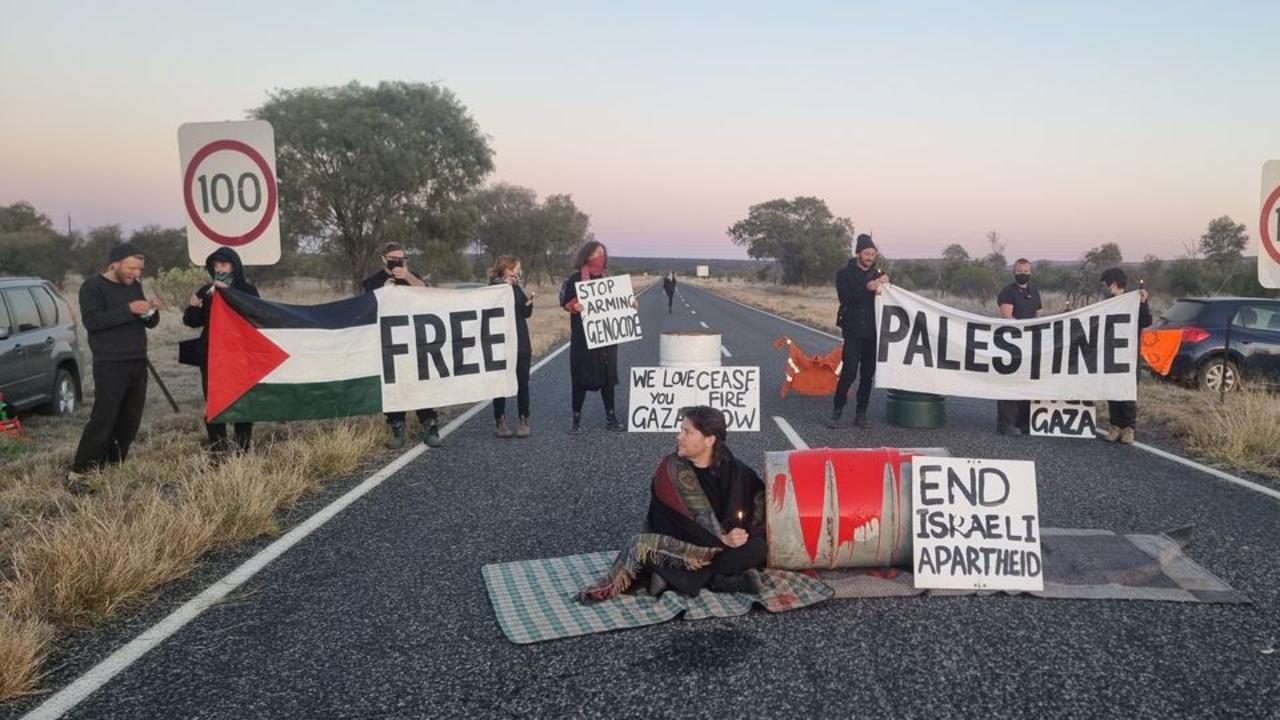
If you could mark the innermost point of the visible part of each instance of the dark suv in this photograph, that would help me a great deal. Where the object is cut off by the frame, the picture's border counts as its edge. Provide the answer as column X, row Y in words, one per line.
column 1254, row 353
column 39, row 354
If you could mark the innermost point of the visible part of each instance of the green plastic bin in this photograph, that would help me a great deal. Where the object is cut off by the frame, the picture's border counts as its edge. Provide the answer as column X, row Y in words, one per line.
column 916, row 410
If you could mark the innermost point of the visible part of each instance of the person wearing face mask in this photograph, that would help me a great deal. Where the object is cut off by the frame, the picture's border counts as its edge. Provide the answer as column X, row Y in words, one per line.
column 1124, row 413
column 857, row 285
column 226, row 271
column 590, row 369
column 395, row 271
column 1019, row 300
column 506, row 270
column 116, row 314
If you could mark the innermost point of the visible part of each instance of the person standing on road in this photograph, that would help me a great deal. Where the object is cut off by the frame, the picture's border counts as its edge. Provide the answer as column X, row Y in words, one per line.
column 506, row 269
column 857, row 285
column 395, row 272
column 225, row 271
column 669, row 287
column 1124, row 413
column 706, row 523
column 117, row 315
column 590, row 369
column 1019, row 300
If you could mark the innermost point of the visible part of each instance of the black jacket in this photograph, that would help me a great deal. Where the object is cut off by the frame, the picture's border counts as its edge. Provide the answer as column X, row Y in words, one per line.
column 115, row 333
column 198, row 317
column 524, row 311
column 857, row 315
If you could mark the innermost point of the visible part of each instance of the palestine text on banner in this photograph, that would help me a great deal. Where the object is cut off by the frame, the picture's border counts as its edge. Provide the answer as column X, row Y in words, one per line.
column 976, row 525
column 398, row 348
column 659, row 393
column 1089, row 353
column 609, row 315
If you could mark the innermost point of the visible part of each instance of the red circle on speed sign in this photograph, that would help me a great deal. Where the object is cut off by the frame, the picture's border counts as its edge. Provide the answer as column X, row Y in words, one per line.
column 268, row 213
column 1264, row 226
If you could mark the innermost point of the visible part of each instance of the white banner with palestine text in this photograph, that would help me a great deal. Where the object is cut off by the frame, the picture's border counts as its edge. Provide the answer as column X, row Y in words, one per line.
column 925, row 346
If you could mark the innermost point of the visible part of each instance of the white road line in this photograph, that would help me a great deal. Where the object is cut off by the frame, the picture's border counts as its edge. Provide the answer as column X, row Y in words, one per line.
column 1221, row 475
column 693, row 312
column 97, row 676
column 725, row 351
column 796, row 441
column 704, row 324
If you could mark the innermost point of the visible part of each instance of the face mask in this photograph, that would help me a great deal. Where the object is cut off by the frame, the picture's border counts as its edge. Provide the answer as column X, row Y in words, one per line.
column 223, row 277
column 596, row 265
column 1022, row 278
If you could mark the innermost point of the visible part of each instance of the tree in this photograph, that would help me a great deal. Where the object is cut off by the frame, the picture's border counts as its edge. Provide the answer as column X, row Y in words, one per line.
column 90, row 252
column 30, row 246
column 802, row 235
column 564, row 229
column 511, row 221
column 356, row 160
column 1224, row 241
column 1089, row 273
column 163, row 248
column 954, row 259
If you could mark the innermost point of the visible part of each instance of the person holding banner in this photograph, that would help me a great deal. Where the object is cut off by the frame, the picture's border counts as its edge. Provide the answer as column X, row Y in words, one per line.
column 225, row 271
column 706, row 522
column 1019, row 300
column 590, row 369
column 395, row 272
column 856, row 285
column 1124, row 413
column 506, row 269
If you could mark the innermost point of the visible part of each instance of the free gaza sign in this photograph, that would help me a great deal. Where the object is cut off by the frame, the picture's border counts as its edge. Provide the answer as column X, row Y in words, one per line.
column 229, row 189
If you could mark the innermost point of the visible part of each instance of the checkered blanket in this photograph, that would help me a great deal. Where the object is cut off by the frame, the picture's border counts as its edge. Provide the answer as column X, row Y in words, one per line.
column 534, row 599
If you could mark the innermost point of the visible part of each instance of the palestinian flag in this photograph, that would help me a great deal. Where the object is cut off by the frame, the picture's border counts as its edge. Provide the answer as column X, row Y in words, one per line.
column 398, row 348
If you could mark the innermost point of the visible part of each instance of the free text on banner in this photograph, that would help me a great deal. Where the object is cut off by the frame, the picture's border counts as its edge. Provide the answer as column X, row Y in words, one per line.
column 608, row 316
column 659, row 393
column 976, row 525
column 1090, row 353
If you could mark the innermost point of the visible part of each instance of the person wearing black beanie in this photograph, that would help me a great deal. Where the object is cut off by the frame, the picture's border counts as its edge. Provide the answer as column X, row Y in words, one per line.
column 116, row 314
column 857, row 285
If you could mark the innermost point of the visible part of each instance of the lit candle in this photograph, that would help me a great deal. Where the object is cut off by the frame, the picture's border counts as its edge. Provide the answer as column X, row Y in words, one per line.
column 739, row 518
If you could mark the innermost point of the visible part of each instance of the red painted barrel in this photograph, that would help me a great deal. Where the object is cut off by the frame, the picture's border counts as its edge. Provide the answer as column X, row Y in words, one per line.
column 840, row 508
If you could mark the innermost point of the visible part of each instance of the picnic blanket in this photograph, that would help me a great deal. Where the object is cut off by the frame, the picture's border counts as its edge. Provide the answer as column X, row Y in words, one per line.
column 534, row 599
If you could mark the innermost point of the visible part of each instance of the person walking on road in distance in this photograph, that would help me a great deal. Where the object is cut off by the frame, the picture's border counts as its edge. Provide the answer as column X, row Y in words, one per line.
column 590, row 369
column 1124, row 413
column 116, row 314
column 506, row 270
column 669, row 287
column 1019, row 300
column 857, row 285
column 225, row 271
column 705, row 526
column 395, row 272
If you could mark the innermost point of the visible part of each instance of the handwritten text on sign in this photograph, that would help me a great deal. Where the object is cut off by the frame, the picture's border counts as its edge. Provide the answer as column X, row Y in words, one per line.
column 608, row 314
column 976, row 525
column 658, row 394
column 1064, row 418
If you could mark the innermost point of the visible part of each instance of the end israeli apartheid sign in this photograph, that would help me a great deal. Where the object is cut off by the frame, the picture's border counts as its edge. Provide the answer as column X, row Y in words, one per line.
column 659, row 393
column 976, row 526
column 608, row 315
column 1064, row 418
column 925, row 346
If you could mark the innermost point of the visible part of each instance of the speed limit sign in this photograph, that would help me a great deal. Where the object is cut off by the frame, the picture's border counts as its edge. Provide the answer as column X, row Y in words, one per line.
column 229, row 190
column 1269, row 227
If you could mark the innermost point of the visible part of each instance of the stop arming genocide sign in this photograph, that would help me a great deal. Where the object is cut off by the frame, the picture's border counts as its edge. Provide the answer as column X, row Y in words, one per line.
column 925, row 346
column 659, row 393
column 608, row 316
column 976, row 525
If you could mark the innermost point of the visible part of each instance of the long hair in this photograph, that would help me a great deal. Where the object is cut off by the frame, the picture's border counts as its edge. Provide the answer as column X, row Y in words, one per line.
column 584, row 253
column 710, row 421
column 501, row 265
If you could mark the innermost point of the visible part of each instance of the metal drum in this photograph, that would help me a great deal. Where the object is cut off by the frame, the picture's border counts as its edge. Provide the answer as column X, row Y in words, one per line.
column 840, row 508
column 689, row 349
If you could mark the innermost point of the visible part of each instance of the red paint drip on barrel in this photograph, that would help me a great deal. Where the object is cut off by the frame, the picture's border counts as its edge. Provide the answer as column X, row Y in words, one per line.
column 807, row 466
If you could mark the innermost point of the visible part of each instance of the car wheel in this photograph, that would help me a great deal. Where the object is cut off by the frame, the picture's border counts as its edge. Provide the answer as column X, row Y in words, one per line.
column 66, row 394
column 1213, row 373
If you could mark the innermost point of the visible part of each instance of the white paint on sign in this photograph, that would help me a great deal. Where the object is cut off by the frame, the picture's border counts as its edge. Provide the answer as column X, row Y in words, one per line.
column 609, row 314
column 659, row 393
column 1064, row 418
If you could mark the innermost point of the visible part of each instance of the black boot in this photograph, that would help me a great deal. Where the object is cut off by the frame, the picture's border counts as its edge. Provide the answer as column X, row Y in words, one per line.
column 834, row 422
column 396, row 441
column 577, row 422
column 611, row 422
column 860, row 420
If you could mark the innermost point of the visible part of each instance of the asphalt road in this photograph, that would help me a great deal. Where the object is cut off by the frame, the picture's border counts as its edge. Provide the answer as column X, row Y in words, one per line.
column 383, row 612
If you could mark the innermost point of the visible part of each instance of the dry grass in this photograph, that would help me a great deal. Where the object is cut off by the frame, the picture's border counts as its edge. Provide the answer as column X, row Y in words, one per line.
column 70, row 562
column 1243, row 433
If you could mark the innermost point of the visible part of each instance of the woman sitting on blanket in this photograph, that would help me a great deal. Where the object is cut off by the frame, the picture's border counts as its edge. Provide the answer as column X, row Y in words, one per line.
column 705, row 526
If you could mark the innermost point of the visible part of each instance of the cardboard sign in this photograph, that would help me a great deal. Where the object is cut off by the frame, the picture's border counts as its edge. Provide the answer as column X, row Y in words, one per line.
column 1064, row 418
column 976, row 525
column 658, row 394
column 609, row 316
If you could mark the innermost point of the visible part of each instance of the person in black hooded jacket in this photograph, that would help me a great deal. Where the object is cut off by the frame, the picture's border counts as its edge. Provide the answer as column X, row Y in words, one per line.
column 225, row 271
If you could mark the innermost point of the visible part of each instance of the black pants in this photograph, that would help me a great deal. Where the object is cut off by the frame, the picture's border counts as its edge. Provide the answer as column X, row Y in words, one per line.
column 119, row 395
column 522, row 393
column 670, row 297
column 426, row 416
column 1013, row 413
column 859, row 360
column 1124, row 413
column 580, row 396
column 217, row 432
column 751, row 554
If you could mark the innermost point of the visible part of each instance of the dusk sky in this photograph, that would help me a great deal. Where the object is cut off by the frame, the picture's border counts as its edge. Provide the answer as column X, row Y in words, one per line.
column 1061, row 127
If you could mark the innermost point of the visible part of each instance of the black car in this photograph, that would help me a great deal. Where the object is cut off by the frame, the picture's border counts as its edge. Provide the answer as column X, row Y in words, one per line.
column 39, row 354
column 1205, row 359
